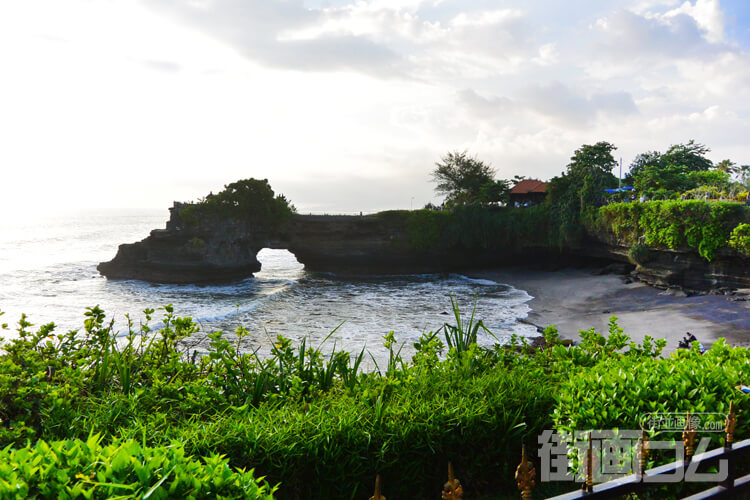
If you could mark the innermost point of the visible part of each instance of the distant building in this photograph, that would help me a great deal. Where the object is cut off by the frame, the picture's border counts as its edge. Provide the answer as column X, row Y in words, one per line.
column 528, row 192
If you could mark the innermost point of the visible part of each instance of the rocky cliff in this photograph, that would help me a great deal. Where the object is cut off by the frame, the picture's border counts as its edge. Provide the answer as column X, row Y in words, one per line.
column 676, row 268
column 222, row 248
column 225, row 249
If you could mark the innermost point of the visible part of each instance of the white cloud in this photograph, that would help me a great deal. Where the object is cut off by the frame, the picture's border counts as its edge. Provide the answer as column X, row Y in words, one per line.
column 707, row 14
column 168, row 100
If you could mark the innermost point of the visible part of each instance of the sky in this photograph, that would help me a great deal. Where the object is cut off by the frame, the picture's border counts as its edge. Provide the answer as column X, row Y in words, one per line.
column 346, row 106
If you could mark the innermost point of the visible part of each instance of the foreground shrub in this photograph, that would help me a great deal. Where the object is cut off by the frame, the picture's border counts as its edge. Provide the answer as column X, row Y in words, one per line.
column 619, row 392
column 406, row 427
column 313, row 421
column 122, row 469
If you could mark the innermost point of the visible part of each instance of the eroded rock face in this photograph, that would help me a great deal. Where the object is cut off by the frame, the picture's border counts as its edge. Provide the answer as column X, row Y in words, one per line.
column 683, row 268
column 225, row 249
column 667, row 268
column 186, row 256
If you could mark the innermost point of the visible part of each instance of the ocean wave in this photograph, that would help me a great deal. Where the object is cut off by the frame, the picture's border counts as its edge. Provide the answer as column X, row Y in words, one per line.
column 477, row 281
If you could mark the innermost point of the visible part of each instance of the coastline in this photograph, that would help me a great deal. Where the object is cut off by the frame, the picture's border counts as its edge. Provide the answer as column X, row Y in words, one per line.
column 578, row 299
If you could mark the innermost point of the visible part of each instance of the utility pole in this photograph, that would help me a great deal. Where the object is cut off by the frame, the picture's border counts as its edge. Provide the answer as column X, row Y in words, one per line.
column 619, row 183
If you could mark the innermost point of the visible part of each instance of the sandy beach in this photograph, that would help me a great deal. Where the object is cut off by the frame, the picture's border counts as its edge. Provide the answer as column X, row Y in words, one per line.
column 578, row 299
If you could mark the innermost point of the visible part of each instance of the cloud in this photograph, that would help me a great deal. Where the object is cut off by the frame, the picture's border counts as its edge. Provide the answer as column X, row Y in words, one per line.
column 256, row 29
column 707, row 15
column 626, row 34
column 483, row 107
column 366, row 86
column 164, row 66
column 553, row 100
column 380, row 38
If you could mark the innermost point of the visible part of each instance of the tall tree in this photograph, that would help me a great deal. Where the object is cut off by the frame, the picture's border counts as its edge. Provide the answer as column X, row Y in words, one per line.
column 589, row 173
column 460, row 177
column 591, row 168
column 728, row 167
column 664, row 175
column 690, row 156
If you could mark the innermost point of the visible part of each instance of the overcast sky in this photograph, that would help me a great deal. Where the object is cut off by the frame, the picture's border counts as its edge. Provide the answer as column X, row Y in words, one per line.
column 346, row 106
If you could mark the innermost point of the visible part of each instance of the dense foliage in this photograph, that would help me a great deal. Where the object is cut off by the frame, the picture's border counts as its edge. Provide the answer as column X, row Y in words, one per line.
column 579, row 188
column 625, row 390
column 740, row 238
column 465, row 179
column 315, row 422
column 248, row 199
column 477, row 228
column 685, row 172
column 705, row 227
column 87, row 469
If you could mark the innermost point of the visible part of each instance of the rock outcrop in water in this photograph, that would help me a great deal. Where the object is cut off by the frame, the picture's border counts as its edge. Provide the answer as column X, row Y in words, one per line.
column 223, row 249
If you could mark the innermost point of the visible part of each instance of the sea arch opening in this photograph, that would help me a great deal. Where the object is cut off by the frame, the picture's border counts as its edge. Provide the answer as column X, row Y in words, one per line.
column 279, row 263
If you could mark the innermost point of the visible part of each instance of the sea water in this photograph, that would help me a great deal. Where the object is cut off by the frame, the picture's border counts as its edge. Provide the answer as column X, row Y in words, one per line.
column 48, row 271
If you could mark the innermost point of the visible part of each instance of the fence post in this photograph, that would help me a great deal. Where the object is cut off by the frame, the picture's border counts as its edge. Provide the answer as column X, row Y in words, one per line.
column 642, row 454
column 377, row 495
column 525, row 476
column 452, row 489
column 588, row 485
column 729, row 429
column 688, row 439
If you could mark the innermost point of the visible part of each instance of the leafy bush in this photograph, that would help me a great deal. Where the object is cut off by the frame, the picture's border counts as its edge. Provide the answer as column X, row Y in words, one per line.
column 314, row 422
column 340, row 427
column 247, row 200
column 122, row 469
column 740, row 238
column 426, row 228
column 475, row 227
column 705, row 227
column 705, row 193
column 621, row 390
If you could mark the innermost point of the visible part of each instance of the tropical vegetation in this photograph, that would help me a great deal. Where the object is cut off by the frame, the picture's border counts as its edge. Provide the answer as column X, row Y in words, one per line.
column 89, row 414
column 680, row 200
column 250, row 200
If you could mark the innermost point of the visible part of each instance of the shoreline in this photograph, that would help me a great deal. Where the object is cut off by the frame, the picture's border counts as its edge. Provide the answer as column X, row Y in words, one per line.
column 578, row 299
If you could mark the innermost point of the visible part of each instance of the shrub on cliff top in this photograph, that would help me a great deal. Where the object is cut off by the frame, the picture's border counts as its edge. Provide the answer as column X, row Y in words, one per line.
column 740, row 238
column 248, row 199
column 673, row 224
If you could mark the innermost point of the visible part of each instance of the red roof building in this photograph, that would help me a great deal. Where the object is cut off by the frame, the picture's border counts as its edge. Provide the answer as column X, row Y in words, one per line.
column 528, row 192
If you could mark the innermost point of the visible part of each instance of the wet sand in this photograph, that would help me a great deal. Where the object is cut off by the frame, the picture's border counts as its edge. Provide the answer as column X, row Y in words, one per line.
column 578, row 299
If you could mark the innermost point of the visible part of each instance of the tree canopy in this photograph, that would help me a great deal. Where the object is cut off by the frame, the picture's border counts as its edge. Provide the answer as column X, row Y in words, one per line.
column 588, row 173
column 663, row 175
column 248, row 199
column 465, row 179
column 582, row 185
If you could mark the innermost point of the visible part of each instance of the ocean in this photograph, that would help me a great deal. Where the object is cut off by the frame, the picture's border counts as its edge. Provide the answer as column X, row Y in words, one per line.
column 48, row 271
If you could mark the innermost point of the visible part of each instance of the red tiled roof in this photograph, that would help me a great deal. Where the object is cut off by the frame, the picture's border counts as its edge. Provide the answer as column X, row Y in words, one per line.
column 529, row 186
